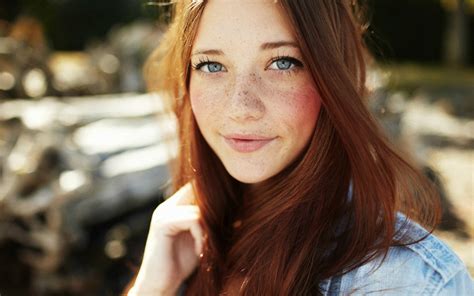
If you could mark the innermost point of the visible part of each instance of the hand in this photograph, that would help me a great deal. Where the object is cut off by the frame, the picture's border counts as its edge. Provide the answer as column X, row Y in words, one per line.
column 173, row 245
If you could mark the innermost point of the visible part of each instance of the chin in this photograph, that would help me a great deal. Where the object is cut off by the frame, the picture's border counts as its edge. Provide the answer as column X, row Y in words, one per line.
column 249, row 176
column 249, row 179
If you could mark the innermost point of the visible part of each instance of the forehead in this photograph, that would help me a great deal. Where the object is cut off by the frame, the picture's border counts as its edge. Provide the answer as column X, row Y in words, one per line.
column 228, row 23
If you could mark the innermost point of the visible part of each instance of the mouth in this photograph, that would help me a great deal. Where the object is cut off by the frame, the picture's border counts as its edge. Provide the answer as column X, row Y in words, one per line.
column 247, row 143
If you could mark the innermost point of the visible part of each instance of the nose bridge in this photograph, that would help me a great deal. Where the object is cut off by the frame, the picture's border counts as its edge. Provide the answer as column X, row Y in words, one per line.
column 244, row 100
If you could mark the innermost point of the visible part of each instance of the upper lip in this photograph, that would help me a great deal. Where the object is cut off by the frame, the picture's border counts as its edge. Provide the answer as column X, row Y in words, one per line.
column 247, row 137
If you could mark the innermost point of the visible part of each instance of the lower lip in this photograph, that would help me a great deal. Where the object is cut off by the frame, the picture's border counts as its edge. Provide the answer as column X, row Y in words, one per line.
column 246, row 146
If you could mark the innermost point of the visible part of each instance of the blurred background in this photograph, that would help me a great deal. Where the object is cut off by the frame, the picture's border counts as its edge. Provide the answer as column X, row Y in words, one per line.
column 83, row 148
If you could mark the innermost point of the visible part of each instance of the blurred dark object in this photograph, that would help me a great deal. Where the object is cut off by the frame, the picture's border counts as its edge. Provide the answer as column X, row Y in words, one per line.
column 113, row 65
column 122, row 55
column 79, row 179
column 71, row 24
column 421, row 30
column 23, row 60
column 29, row 70
column 457, row 34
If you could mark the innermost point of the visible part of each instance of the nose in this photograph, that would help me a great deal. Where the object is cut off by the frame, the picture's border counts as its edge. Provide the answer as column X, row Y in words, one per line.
column 244, row 102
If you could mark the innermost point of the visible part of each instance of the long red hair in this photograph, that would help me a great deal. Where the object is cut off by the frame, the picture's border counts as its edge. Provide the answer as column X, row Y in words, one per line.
column 301, row 227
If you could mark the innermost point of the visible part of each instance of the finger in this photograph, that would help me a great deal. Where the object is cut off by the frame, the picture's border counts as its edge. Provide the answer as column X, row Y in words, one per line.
column 168, row 213
column 174, row 220
column 184, row 196
column 198, row 235
column 184, row 218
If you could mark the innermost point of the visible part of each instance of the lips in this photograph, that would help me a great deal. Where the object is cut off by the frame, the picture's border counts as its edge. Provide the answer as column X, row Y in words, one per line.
column 247, row 143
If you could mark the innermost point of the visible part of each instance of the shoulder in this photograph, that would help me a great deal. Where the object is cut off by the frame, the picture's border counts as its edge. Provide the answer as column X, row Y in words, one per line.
column 427, row 267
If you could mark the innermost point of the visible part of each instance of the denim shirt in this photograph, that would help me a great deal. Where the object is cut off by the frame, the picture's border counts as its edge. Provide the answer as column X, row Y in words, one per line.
column 428, row 267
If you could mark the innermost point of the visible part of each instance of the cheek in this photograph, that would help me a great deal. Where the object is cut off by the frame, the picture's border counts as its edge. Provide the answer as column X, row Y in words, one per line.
column 198, row 102
column 301, row 109
column 202, row 103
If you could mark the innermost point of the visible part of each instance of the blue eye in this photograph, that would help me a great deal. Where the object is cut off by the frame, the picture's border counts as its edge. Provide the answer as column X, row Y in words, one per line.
column 285, row 63
column 210, row 67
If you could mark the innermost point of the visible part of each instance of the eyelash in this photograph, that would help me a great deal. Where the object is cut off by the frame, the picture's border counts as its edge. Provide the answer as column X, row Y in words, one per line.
column 202, row 62
column 297, row 64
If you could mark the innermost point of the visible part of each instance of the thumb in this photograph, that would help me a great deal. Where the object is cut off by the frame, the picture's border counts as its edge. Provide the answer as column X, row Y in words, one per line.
column 198, row 235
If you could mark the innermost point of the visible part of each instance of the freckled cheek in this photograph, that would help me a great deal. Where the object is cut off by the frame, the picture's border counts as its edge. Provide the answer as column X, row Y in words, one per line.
column 204, row 102
column 197, row 100
column 301, row 107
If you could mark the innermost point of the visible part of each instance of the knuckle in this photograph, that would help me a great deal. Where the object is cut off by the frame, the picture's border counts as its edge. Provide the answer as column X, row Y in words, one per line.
column 158, row 215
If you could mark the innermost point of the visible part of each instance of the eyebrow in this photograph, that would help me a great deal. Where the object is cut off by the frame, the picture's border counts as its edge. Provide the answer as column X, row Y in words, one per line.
column 209, row 52
column 264, row 46
column 273, row 45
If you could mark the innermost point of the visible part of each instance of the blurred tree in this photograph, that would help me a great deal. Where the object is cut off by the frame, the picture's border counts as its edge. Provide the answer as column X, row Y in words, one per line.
column 407, row 29
column 457, row 33
column 70, row 24
column 422, row 30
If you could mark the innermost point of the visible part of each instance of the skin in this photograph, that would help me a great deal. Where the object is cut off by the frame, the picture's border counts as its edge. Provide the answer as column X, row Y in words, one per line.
column 252, row 90
column 240, row 87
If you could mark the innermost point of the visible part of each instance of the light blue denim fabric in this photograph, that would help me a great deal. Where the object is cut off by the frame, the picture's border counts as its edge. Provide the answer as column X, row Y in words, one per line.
column 428, row 267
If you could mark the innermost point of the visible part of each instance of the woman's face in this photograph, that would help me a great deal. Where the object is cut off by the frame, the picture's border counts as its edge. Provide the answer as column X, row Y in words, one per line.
column 251, row 93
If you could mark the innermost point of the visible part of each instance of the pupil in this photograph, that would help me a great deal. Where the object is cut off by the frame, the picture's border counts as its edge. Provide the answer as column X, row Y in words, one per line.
column 214, row 67
column 283, row 64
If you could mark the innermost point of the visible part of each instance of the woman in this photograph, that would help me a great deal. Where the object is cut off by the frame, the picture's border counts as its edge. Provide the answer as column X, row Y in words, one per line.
column 287, row 185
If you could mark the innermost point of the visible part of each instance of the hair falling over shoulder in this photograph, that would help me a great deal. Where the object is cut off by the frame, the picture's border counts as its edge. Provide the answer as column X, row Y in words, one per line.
column 301, row 227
